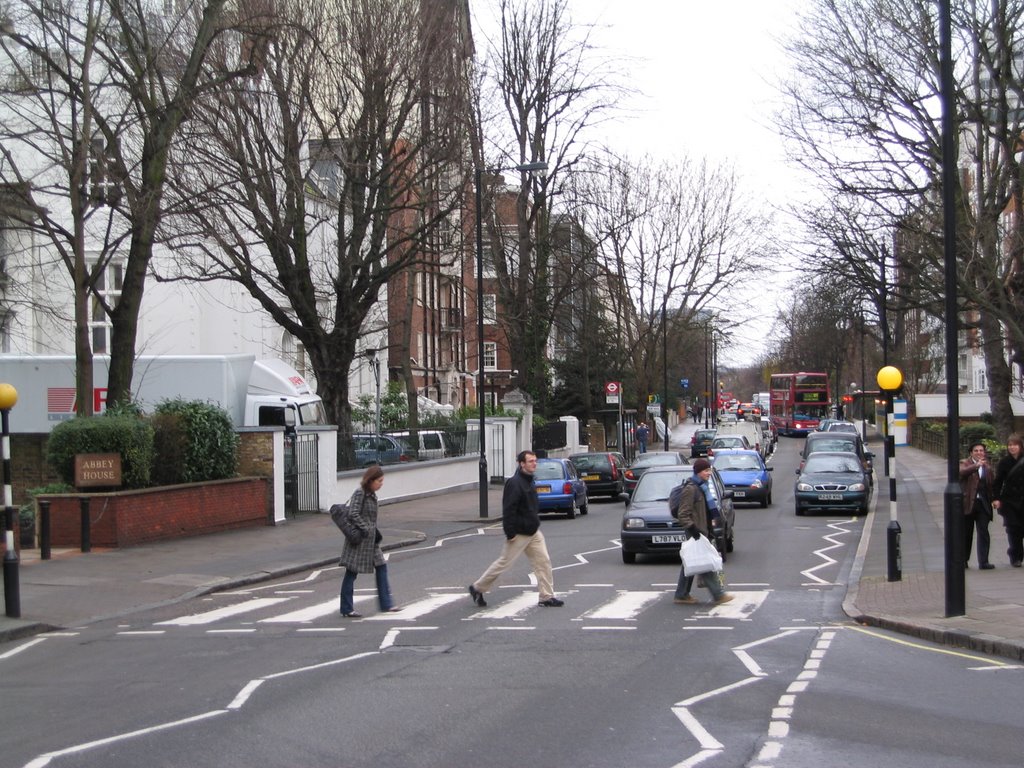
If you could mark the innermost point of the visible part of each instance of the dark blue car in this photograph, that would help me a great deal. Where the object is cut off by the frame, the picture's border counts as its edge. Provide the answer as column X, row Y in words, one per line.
column 560, row 488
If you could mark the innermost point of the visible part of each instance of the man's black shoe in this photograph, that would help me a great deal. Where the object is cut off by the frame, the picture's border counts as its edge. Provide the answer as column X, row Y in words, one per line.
column 986, row 566
column 551, row 602
column 1016, row 563
column 478, row 596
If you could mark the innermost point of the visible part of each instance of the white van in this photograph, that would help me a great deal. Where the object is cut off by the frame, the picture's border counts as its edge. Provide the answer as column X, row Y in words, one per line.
column 750, row 430
column 431, row 444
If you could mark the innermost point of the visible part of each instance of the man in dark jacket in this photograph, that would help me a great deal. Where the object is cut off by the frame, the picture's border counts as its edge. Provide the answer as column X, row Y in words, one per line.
column 520, row 519
column 694, row 506
column 976, row 481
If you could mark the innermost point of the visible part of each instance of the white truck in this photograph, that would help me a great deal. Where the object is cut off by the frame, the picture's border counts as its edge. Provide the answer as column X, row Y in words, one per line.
column 254, row 392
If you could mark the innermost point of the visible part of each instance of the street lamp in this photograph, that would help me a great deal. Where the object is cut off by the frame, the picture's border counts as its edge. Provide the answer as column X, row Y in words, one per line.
column 12, row 583
column 478, row 182
column 889, row 380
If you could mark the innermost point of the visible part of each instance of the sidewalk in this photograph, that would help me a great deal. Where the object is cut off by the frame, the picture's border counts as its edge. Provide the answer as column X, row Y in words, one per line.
column 74, row 589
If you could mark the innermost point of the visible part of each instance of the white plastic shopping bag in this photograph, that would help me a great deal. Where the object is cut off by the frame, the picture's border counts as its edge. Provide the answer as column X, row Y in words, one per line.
column 700, row 556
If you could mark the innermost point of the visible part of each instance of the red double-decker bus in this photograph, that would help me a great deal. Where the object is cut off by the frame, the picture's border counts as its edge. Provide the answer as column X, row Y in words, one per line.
column 799, row 401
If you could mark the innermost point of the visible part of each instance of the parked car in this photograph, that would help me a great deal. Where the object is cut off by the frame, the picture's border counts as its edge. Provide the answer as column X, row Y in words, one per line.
column 745, row 474
column 379, row 449
column 771, row 434
column 559, row 487
column 649, row 529
column 831, row 480
column 739, row 442
column 823, row 425
column 843, row 442
column 842, row 426
column 603, row 473
column 700, row 441
column 727, row 418
column 428, row 444
column 645, row 461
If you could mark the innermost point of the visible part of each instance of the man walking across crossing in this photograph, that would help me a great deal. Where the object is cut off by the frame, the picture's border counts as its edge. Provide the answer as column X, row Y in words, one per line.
column 520, row 519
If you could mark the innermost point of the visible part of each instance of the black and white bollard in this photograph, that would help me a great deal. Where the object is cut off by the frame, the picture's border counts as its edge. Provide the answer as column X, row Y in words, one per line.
column 12, row 584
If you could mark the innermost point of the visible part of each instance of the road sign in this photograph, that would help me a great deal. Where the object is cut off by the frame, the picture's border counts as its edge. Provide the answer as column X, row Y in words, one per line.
column 611, row 392
column 684, row 383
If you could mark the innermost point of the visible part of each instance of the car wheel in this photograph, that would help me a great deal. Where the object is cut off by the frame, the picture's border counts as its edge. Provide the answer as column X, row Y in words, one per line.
column 728, row 546
column 765, row 501
column 585, row 507
column 800, row 512
column 571, row 514
column 628, row 557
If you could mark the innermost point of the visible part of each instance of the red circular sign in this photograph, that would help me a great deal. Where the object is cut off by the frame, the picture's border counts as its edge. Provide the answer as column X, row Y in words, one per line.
column 611, row 388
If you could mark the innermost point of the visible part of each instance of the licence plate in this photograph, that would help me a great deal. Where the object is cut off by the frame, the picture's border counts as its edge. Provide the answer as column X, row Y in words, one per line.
column 543, row 489
column 739, row 494
column 830, row 497
column 591, row 477
column 674, row 538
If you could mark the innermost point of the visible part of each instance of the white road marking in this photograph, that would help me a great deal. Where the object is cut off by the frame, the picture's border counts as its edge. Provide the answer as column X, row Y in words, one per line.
column 419, row 608
column 222, row 613
column 625, row 606
column 509, row 609
column 22, row 647
column 302, row 615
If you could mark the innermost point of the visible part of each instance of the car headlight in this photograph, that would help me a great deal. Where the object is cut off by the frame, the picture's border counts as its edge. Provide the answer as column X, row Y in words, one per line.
column 756, row 484
column 804, row 487
column 634, row 522
column 857, row 487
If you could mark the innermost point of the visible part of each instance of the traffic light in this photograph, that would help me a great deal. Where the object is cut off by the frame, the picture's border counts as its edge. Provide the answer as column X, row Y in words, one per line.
column 847, row 399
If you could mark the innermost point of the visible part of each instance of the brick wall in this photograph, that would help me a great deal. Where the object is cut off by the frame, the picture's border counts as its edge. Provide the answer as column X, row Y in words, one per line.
column 125, row 518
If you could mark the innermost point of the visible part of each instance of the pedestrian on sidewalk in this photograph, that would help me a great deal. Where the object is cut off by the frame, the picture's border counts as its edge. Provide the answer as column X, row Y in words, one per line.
column 976, row 482
column 520, row 519
column 642, row 433
column 1008, row 495
column 366, row 556
column 695, row 507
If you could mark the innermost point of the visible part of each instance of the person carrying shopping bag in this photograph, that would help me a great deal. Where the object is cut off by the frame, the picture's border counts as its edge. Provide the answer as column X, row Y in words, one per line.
column 694, row 506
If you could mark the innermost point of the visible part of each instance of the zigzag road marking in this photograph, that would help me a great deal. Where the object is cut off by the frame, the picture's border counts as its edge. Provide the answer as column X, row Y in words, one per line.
column 809, row 573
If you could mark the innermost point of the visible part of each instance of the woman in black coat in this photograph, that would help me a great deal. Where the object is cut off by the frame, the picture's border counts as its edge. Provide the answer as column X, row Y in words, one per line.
column 1008, row 497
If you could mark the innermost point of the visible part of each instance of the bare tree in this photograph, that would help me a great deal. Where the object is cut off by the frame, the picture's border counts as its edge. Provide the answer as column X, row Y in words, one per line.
column 322, row 179
column 545, row 86
column 864, row 114
column 107, row 84
column 676, row 236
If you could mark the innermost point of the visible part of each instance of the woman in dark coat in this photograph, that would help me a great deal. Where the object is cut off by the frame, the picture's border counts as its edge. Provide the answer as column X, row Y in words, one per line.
column 1008, row 497
column 366, row 557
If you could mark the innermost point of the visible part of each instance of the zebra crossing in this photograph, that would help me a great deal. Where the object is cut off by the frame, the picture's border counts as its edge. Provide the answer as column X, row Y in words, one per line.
column 305, row 610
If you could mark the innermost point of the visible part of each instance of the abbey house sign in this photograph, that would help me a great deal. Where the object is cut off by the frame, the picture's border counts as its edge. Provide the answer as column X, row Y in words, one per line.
column 94, row 470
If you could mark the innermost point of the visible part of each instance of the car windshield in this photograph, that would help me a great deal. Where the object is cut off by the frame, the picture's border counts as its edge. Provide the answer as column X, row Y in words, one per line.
column 548, row 470
column 705, row 434
column 728, row 442
column 841, row 426
column 727, row 462
column 656, row 486
column 656, row 459
column 823, row 463
column 587, row 463
column 847, row 446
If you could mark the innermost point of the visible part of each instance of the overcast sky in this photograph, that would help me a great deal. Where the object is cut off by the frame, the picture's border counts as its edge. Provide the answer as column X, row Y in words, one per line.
column 705, row 72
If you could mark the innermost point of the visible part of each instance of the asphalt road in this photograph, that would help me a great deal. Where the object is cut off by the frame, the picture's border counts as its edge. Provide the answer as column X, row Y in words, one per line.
column 272, row 676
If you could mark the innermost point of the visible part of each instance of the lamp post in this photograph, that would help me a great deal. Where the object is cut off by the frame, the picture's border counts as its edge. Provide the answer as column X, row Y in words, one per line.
column 12, row 586
column 664, row 372
column 953, row 516
column 889, row 381
column 480, row 385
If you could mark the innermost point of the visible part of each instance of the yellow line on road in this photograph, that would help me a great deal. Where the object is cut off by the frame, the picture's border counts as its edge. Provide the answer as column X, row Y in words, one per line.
column 945, row 651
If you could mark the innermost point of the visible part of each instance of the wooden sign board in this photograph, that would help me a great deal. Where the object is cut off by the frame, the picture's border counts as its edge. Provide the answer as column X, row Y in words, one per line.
column 97, row 470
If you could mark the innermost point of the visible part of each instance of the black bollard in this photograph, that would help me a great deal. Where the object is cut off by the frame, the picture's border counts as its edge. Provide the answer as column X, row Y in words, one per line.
column 44, row 530
column 86, row 535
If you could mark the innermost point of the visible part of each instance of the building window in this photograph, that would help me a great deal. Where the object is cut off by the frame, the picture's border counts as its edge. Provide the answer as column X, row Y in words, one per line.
column 490, row 355
column 107, row 290
column 490, row 308
column 104, row 181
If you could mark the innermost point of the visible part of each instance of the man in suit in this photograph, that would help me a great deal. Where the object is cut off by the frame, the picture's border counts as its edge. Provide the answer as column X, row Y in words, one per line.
column 976, row 481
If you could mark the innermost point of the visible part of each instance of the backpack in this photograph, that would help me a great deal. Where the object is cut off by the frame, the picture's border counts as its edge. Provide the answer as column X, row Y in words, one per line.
column 675, row 496
column 340, row 514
